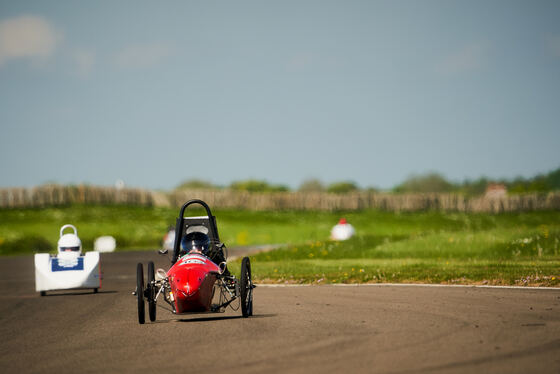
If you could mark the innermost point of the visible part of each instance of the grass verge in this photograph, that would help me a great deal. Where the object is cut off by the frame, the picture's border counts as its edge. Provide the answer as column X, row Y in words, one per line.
column 426, row 247
column 524, row 256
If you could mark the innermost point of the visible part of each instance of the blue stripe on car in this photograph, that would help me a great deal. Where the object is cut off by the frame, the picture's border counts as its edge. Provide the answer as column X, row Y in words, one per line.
column 55, row 266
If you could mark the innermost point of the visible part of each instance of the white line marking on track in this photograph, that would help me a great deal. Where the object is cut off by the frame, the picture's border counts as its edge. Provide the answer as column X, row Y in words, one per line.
column 272, row 285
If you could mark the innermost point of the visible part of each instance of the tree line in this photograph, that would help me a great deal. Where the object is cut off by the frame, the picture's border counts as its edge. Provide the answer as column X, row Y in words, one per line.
column 422, row 183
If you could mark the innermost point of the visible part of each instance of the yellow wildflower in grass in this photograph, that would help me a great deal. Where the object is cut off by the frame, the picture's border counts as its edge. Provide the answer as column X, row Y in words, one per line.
column 311, row 255
column 242, row 238
column 544, row 230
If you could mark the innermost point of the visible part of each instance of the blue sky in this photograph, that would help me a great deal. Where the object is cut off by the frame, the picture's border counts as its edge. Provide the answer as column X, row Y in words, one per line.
column 155, row 93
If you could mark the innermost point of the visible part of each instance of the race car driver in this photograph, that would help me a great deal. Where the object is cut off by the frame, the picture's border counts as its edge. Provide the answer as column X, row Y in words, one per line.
column 69, row 247
column 198, row 242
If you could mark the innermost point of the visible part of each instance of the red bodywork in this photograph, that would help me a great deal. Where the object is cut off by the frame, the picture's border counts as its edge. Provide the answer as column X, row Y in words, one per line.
column 192, row 281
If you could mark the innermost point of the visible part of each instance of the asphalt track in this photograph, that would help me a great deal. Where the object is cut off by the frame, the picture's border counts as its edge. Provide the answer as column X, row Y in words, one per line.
column 326, row 329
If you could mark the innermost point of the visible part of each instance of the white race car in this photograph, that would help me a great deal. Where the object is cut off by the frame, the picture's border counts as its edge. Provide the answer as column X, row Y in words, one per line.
column 169, row 239
column 69, row 269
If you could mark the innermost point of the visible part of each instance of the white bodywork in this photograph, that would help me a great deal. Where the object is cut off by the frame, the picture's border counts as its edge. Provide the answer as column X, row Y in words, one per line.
column 67, row 271
column 169, row 240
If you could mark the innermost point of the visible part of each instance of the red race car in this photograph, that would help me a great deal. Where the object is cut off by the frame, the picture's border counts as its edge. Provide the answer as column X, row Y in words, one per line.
column 198, row 280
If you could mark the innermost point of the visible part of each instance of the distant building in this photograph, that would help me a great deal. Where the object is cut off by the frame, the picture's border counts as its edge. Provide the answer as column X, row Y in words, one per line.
column 119, row 184
column 495, row 191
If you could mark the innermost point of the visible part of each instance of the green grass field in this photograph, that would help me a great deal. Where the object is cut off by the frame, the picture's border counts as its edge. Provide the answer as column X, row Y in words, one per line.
column 428, row 247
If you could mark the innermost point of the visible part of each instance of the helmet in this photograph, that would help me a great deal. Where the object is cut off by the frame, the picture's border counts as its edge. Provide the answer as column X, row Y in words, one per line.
column 195, row 240
column 69, row 242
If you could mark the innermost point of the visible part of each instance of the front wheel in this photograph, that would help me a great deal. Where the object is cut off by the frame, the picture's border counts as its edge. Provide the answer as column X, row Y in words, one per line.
column 246, row 287
column 151, row 291
column 140, row 293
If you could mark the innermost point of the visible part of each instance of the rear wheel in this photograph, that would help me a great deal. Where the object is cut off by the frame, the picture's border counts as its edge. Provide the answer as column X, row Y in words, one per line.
column 151, row 291
column 140, row 293
column 246, row 287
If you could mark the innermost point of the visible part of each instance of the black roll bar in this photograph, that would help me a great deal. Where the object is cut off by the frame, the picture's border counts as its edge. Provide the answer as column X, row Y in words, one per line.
column 180, row 226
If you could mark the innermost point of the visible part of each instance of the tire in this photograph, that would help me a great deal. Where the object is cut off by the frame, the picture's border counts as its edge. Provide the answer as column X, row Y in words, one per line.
column 95, row 290
column 246, row 287
column 43, row 293
column 140, row 293
column 151, row 292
